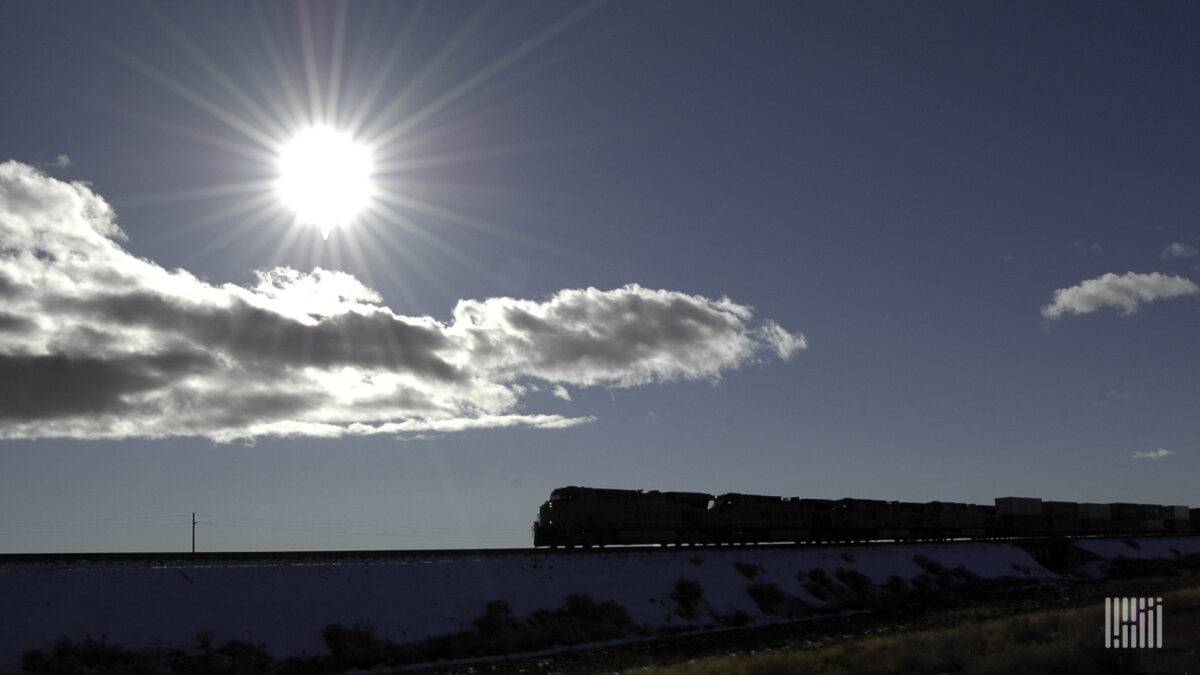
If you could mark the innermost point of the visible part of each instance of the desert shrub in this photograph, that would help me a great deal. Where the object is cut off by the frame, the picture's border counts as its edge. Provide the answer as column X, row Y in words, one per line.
column 687, row 595
column 1123, row 567
column 354, row 647
column 100, row 656
column 854, row 580
column 922, row 582
column 896, row 584
column 68, row 655
column 965, row 575
column 581, row 619
column 737, row 618
column 748, row 570
column 820, row 577
column 585, row 607
column 931, row 566
column 496, row 619
column 769, row 597
column 818, row 591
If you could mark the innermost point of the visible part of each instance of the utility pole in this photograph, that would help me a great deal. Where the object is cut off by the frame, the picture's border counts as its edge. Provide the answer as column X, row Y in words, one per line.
column 193, row 532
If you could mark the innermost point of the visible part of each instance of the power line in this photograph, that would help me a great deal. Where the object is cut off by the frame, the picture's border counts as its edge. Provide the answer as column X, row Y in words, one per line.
column 413, row 535
column 93, row 529
column 366, row 525
column 90, row 520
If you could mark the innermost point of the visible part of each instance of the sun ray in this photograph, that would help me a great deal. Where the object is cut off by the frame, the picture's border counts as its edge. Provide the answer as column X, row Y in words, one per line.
column 254, row 153
column 247, row 187
column 334, row 90
column 231, row 120
column 294, row 104
column 487, row 73
column 239, row 226
column 262, row 117
column 311, row 79
column 450, row 48
column 413, row 228
column 386, row 67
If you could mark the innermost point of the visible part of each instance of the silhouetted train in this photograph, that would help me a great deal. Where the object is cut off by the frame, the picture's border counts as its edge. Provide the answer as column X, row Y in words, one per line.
column 580, row 516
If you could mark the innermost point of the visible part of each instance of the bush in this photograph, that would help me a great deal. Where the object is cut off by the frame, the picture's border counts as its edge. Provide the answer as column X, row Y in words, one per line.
column 748, row 570
column 737, row 618
column 100, row 656
column 896, row 584
column 820, row 577
column 355, row 647
column 923, row 583
column 818, row 591
column 931, row 566
column 854, row 580
column 769, row 597
column 965, row 575
column 687, row 595
column 496, row 619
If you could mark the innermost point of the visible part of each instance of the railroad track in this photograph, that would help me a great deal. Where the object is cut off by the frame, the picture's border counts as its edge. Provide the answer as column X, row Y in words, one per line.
column 246, row 556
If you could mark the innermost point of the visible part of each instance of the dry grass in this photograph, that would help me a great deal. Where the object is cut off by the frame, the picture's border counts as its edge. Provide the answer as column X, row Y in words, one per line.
column 1057, row 641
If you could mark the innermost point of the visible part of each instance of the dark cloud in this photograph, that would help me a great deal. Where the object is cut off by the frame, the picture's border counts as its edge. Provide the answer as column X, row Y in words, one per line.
column 41, row 387
column 11, row 323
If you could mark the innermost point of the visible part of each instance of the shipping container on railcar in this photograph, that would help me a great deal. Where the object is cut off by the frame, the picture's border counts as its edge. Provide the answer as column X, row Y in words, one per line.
column 1127, row 518
column 1020, row 516
column 1178, row 520
column 1154, row 518
column 1095, row 518
column 577, row 516
column 954, row 520
column 1060, row 518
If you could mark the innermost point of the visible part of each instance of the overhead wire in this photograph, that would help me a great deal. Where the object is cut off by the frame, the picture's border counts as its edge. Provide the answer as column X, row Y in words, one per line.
column 412, row 535
column 430, row 528
column 96, row 529
column 92, row 520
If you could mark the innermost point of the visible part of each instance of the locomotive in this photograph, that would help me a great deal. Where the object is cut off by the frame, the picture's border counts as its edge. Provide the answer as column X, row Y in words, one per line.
column 582, row 516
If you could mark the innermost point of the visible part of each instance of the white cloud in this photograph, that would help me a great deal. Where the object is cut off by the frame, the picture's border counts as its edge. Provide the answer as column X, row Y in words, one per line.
column 784, row 343
column 1125, row 292
column 1179, row 250
column 561, row 392
column 97, row 343
column 1110, row 396
column 1152, row 454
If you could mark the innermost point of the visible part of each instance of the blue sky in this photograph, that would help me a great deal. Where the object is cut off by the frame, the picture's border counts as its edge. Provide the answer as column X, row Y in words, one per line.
column 905, row 185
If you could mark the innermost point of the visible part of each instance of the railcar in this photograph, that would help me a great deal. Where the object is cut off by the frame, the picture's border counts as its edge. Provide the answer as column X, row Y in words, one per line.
column 582, row 516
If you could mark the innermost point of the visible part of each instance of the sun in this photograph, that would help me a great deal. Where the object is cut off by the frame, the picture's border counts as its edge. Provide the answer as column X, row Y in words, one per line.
column 325, row 177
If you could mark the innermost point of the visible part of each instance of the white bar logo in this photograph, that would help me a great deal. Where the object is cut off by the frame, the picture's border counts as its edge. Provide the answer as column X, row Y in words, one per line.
column 1133, row 622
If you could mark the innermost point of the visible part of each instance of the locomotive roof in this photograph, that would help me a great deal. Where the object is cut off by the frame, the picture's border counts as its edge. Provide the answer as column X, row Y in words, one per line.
column 618, row 493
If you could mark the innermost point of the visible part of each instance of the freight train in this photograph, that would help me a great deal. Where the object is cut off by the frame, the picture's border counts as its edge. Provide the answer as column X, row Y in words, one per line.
column 580, row 516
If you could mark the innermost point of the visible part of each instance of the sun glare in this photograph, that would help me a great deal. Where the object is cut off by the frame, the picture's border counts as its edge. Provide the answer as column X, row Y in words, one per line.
column 325, row 177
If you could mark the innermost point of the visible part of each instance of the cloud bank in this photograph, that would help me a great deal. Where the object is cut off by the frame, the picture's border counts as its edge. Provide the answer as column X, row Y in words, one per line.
column 1152, row 454
column 1125, row 292
column 98, row 343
